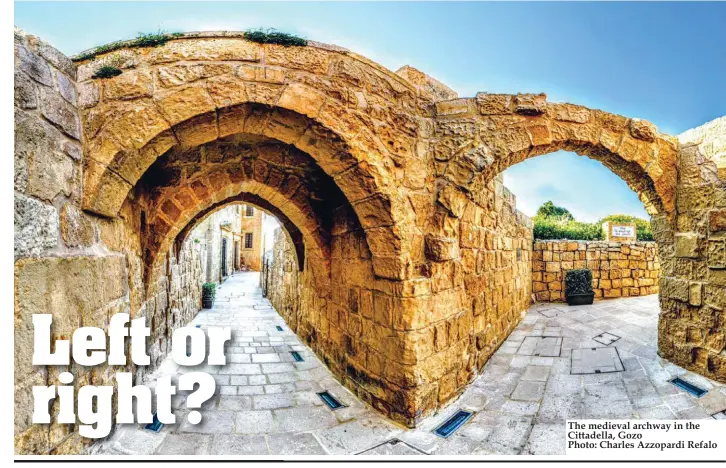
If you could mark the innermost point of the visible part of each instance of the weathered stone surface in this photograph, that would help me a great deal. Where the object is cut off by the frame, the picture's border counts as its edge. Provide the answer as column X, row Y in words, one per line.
column 60, row 113
column 36, row 227
column 34, row 66
column 66, row 88
column 76, row 228
column 688, row 245
column 26, row 96
column 643, row 130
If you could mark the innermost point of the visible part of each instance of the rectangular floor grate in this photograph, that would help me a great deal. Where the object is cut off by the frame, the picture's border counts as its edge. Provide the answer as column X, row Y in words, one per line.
column 606, row 338
column 155, row 425
column 694, row 390
column 453, row 423
column 330, row 400
column 279, row 328
column 296, row 356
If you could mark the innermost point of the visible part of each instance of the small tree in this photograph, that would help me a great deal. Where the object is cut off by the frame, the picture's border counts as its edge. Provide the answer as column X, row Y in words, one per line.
column 550, row 210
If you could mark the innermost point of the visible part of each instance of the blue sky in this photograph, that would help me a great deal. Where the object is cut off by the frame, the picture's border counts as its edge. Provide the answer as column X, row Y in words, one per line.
column 664, row 62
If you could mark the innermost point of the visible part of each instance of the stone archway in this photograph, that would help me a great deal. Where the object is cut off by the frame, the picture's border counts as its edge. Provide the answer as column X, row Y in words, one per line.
column 424, row 257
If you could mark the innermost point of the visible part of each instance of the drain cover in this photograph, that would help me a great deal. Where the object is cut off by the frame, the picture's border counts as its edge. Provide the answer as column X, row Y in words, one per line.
column 694, row 390
column 450, row 426
column 596, row 361
column 393, row 447
column 330, row 400
column 719, row 415
column 155, row 425
column 545, row 346
column 549, row 313
column 606, row 338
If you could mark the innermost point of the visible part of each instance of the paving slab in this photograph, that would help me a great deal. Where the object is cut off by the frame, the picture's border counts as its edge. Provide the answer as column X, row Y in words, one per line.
column 267, row 403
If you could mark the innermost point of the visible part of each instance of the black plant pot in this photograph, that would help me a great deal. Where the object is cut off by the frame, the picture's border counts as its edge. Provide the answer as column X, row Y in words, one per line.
column 580, row 299
column 207, row 302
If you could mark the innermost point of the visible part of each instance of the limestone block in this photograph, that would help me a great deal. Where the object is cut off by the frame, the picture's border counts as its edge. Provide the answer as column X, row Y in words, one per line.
column 76, row 227
column 36, row 227
column 26, row 96
column 33, row 65
column 530, row 104
column 60, row 112
column 643, row 130
column 717, row 253
column 688, row 245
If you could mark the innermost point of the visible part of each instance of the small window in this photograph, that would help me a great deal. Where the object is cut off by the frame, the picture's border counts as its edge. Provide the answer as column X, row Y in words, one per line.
column 248, row 240
column 250, row 211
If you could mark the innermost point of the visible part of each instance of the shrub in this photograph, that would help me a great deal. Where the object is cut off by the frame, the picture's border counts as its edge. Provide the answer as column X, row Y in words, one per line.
column 643, row 229
column 106, row 71
column 209, row 290
column 271, row 36
column 564, row 228
column 578, row 282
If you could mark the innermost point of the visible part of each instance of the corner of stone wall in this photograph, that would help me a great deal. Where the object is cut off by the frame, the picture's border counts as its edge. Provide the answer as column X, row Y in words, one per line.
column 692, row 326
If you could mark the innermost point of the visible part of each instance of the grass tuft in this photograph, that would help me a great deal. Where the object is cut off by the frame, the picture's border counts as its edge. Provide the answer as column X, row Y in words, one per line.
column 106, row 71
column 272, row 36
column 156, row 39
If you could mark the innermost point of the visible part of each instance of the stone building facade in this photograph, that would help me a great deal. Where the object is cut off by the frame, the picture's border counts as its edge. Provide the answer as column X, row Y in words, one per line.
column 250, row 238
column 411, row 266
column 618, row 269
column 219, row 240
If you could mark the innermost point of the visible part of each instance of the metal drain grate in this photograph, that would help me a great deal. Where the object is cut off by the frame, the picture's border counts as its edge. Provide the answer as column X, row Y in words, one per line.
column 453, row 423
column 694, row 390
column 606, row 338
column 155, row 425
column 330, row 400
column 296, row 356
column 279, row 328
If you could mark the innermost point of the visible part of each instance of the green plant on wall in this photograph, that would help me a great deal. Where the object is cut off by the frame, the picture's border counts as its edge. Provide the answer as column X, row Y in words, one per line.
column 156, row 39
column 272, row 36
column 106, row 71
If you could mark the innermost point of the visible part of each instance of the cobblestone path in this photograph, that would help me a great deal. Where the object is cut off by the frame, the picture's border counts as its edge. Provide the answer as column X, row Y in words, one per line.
column 546, row 371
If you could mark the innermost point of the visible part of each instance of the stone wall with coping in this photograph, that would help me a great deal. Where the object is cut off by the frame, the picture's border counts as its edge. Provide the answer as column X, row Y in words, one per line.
column 618, row 269
column 81, row 268
column 692, row 325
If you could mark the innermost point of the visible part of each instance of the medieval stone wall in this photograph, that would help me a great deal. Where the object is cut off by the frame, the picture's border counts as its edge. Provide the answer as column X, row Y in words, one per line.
column 692, row 326
column 411, row 263
column 470, row 310
column 81, row 268
column 618, row 269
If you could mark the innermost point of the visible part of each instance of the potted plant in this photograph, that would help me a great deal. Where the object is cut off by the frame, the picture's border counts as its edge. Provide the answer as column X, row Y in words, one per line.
column 578, row 287
column 208, row 292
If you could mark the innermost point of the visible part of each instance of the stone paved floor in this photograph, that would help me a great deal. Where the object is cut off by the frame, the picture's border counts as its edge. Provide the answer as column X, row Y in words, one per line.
column 267, row 404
